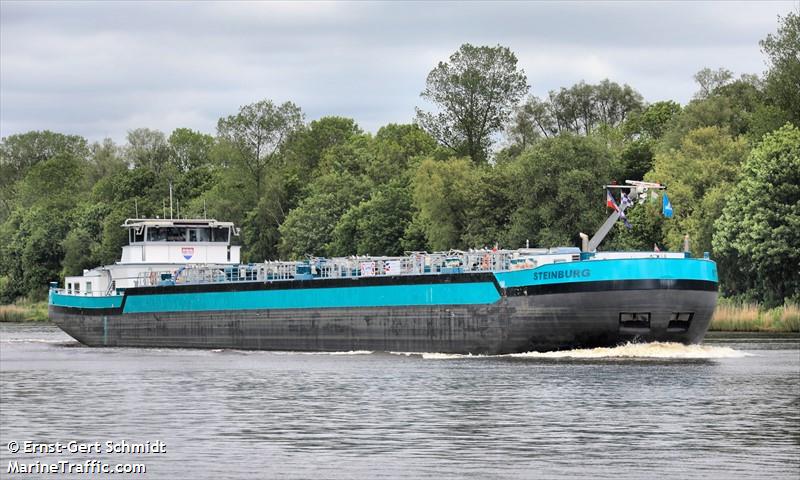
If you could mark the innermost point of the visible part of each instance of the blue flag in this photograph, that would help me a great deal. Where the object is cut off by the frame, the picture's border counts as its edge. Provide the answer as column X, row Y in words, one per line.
column 666, row 206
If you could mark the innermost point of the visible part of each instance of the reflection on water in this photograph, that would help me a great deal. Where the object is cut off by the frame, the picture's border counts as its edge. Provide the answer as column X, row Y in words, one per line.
column 728, row 408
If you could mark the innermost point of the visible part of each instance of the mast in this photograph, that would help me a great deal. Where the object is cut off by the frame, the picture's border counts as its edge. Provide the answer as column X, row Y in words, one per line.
column 641, row 189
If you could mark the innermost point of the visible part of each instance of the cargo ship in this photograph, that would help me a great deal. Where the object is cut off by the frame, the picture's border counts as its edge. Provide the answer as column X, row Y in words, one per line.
column 180, row 283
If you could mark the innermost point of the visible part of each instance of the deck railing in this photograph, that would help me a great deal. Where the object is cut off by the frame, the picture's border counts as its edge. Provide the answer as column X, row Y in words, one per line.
column 414, row 263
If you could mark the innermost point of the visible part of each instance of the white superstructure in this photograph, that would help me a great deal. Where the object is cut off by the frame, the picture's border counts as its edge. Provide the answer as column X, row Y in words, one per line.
column 158, row 245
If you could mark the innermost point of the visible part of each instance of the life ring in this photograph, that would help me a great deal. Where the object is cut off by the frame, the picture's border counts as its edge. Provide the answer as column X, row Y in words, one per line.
column 153, row 278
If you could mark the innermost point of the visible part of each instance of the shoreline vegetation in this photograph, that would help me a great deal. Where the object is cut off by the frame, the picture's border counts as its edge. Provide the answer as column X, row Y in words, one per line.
column 729, row 316
column 24, row 311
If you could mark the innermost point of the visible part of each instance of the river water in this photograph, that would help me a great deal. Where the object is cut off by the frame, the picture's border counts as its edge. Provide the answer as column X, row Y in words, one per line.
column 729, row 408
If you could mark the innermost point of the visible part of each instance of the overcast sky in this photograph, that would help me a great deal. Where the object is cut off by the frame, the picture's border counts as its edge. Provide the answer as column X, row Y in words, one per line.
column 99, row 69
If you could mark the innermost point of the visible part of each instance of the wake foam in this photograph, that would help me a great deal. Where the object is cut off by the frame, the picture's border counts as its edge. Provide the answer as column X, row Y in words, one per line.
column 654, row 350
column 351, row 352
column 661, row 350
column 35, row 340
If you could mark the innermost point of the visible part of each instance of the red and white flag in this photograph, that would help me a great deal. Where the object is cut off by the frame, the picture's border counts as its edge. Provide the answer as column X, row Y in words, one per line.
column 610, row 203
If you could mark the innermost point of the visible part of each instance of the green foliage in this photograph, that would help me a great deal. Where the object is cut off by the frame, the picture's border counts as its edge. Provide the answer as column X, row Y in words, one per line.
column 489, row 206
column 260, row 225
column 739, row 106
column 651, row 123
column 557, row 189
column 699, row 176
column 783, row 77
column 476, row 93
column 395, row 149
column 258, row 133
column 76, row 247
column 32, row 254
column 22, row 151
column 19, row 153
column 441, row 195
column 56, row 182
column 375, row 226
column 710, row 80
column 757, row 237
column 147, row 149
column 308, row 229
column 308, row 145
column 646, row 232
column 636, row 159
column 189, row 150
column 579, row 109
column 105, row 160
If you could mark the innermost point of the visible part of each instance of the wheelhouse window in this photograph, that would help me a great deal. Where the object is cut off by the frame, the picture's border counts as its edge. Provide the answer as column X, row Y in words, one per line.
column 166, row 234
column 185, row 234
column 155, row 234
column 176, row 234
column 220, row 234
column 199, row 235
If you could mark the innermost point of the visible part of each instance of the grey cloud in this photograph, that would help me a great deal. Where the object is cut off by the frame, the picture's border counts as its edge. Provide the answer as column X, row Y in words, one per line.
column 100, row 69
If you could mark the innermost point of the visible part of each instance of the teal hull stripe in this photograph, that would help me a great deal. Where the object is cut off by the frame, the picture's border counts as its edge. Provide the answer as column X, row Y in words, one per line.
column 605, row 270
column 379, row 296
column 77, row 301
column 403, row 295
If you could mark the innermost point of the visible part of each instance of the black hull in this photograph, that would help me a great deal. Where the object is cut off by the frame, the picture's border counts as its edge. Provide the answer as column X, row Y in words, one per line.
column 523, row 322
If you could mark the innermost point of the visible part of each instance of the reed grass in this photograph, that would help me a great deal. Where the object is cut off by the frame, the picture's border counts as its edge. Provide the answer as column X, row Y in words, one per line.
column 749, row 317
column 24, row 311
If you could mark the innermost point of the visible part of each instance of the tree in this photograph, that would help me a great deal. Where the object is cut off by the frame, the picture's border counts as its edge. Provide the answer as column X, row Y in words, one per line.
column 31, row 238
column 532, row 120
column 394, row 149
column 441, row 197
column 260, row 225
column 757, row 237
column 646, row 230
column 636, row 159
column 105, row 160
column 31, row 253
column 306, row 147
column 258, row 132
column 699, row 176
column 476, row 93
column 580, row 110
column 58, row 182
column 308, row 228
column 715, row 111
column 147, row 149
column 652, row 121
column 490, row 202
column 709, row 80
column 189, row 150
column 558, row 191
column 783, row 76
column 20, row 152
column 375, row 226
